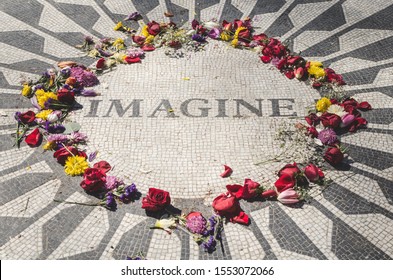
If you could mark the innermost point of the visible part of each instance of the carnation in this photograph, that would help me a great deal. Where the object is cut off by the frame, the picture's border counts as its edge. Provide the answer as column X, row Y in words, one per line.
column 337, row 110
column 196, row 224
column 327, row 136
column 84, row 77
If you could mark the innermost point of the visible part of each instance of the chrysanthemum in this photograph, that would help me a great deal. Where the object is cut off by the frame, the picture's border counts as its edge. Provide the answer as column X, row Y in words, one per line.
column 119, row 44
column 225, row 36
column 337, row 110
column 196, row 224
column 49, row 146
column 323, row 104
column 26, row 90
column 43, row 114
column 57, row 138
column 316, row 69
column 43, row 97
column 75, row 165
column 327, row 136
column 144, row 31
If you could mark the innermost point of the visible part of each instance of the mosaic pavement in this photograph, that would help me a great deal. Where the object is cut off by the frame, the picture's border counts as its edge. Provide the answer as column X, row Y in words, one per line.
column 159, row 129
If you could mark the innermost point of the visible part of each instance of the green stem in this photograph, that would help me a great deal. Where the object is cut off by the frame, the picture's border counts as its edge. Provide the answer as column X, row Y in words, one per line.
column 77, row 203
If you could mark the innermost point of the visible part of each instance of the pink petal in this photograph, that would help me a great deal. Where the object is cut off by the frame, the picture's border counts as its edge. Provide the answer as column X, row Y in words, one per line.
column 227, row 172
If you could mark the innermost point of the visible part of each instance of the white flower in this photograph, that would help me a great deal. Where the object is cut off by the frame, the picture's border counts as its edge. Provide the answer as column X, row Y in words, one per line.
column 165, row 224
column 211, row 24
column 337, row 110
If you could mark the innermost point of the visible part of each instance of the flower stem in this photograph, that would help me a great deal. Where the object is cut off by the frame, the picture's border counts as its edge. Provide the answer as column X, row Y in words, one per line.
column 77, row 203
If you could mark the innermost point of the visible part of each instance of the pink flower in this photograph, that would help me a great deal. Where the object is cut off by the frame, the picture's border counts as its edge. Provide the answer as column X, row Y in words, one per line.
column 299, row 72
column 347, row 120
column 289, row 196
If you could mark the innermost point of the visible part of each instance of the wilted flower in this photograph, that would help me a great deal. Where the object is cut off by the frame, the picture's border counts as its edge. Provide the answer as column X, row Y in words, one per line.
column 210, row 244
column 113, row 182
column 165, row 224
column 211, row 25
column 195, row 222
column 289, row 196
column 133, row 16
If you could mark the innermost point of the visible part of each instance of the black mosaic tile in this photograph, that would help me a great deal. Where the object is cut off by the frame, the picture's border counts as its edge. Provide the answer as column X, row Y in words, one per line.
column 360, row 77
column 203, row 4
column 60, row 226
column 135, row 241
column 230, row 12
column 289, row 236
column 9, row 100
column 281, row 26
column 324, row 48
column 373, row 158
column 379, row 20
column 347, row 244
column 180, row 14
column 144, row 7
column 3, row 82
column 387, row 90
column 33, row 66
column 83, row 15
column 379, row 115
column 23, row 10
column 266, row 6
column 351, row 203
column 19, row 38
column 325, row 21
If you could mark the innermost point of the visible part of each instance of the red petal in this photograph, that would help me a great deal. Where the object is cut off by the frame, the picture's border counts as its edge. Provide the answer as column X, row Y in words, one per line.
column 269, row 193
column 241, row 218
column 236, row 190
column 227, row 172
column 103, row 166
column 131, row 60
column 148, row 48
column 34, row 139
column 266, row 59
column 284, row 182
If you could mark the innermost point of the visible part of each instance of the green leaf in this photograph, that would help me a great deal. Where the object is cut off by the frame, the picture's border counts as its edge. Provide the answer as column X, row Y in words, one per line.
column 71, row 127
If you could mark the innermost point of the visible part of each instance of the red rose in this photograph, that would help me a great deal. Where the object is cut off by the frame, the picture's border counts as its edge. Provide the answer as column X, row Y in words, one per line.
column 280, row 65
column 364, row 106
column 312, row 119
column 153, row 28
column 93, row 180
column 103, row 165
column 250, row 189
column 267, row 51
column 312, row 131
column 289, row 74
column 350, row 105
column 228, row 206
column 333, row 156
column 237, row 23
column 227, row 25
column 34, row 139
column 259, row 37
column 62, row 154
column 330, row 120
column 100, row 63
column 244, row 34
column 266, row 58
column 66, row 96
column 285, row 181
column 156, row 200
column 313, row 173
column 289, row 169
column 235, row 190
column 27, row 117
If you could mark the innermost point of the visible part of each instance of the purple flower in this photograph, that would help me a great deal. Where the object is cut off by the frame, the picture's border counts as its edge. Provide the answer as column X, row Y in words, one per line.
column 275, row 61
column 210, row 244
column 347, row 120
column 135, row 52
column 196, row 224
column 84, row 77
column 110, row 200
column 198, row 38
column 112, row 182
column 65, row 72
column 327, row 136
column 17, row 115
column 89, row 40
column 133, row 16
column 92, row 156
column 129, row 193
column 58, row 138
column 54, row 128
column 104, row 53
column 214, row 33
column 77, row 137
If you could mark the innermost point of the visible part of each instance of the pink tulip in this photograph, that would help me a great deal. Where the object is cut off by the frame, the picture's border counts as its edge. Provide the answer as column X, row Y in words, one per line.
column 289, row 196
column 347, row 120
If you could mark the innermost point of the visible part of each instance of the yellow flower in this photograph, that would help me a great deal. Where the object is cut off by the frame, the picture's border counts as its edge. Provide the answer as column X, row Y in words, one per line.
column 49, row 146
column 119, row 26
column 323, row 104
column 144, row 31
column 149, row 39
column 94, row 53
column 316, row 69
column 119, row 44
column 225, row 36
column 43, row 114
column 240, row 29
column 234, row 42
column 119, row 57
column 75, row 165
column 43, row 96
column 26, row 91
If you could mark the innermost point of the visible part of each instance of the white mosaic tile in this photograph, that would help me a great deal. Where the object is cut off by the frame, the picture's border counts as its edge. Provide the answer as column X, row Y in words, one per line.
column 40, row 167
column 164, row 246
column 242, row 243
column 375, row 141
column 32, row 202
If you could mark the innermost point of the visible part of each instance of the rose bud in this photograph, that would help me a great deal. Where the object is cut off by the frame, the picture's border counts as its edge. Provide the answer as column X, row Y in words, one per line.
column 313, row 173
column 290, row 74
column 334, row 156
column 299, row 72
column 312, row 131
